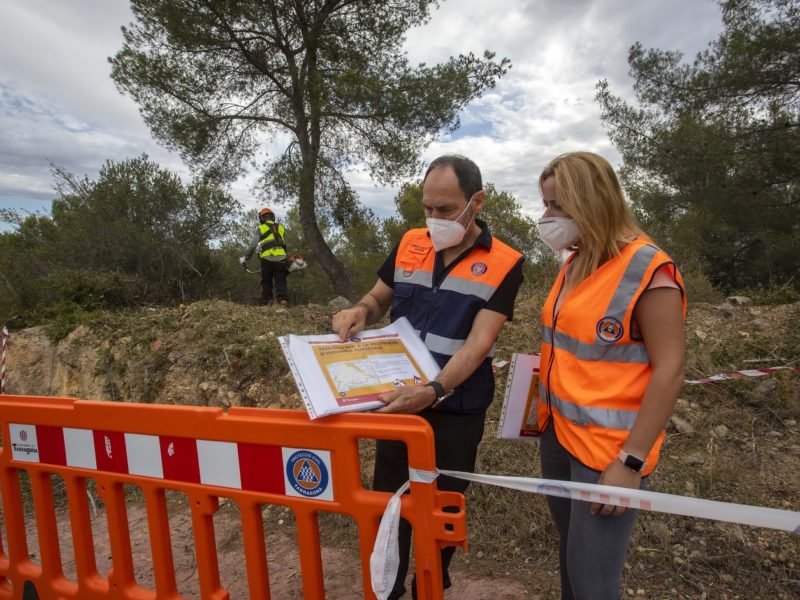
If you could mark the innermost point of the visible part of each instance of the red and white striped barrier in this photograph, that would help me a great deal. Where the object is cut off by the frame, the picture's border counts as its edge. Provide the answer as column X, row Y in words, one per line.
column 739, row 375
column 298, row 472
column 5, row 337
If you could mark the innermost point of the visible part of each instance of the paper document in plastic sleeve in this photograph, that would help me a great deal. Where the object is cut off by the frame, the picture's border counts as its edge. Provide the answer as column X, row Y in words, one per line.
column 518, row 419
column 335, row 376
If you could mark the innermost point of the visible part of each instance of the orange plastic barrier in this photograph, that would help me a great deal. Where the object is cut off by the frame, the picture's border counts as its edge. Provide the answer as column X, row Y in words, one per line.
column 252, row 456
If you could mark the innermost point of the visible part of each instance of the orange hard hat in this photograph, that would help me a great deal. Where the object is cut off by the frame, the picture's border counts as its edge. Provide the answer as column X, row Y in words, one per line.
column 265, row 211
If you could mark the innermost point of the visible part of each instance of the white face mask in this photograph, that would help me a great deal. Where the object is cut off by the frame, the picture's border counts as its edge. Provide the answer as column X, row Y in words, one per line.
column 446, row 233
column 558, row 232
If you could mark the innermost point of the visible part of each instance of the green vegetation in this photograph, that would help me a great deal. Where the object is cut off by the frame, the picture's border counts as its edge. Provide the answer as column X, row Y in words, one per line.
column 712, row 151
column 134, row 235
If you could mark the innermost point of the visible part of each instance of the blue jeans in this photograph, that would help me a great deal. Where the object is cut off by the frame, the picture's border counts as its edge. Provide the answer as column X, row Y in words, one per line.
column 592, row 548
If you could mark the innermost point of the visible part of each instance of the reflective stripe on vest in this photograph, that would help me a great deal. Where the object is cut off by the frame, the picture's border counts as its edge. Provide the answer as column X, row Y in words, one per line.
column 466, row 286
column 448, row 346
column 635, row 352
column 630, row 282
column 423, row 278
column 587, row 415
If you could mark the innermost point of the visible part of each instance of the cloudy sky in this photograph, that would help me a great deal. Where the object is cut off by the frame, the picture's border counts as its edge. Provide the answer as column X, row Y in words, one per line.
column 58, row 104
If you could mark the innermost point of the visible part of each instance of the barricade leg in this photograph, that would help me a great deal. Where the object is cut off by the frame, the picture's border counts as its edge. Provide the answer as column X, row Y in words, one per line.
column 82, row 537
column 49, row 550
column 310, row 554
column 160, row 542
column 4, row 562
column 3, row 566
column 367, row 532
column 121, row 575
column 17, row 541
column 428, row 562
column 255, row 550
column 205, row 547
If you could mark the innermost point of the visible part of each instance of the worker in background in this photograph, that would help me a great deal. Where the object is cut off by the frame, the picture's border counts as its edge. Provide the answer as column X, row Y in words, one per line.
column 270, row 240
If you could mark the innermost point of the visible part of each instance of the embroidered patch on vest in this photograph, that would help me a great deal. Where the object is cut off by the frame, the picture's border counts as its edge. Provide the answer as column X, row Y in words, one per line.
column 418, row 249
column 609, row 329
column 478, row 268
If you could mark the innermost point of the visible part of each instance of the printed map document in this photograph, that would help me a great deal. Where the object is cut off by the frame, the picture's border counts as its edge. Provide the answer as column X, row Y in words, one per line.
column 518, row 418
column 334, row 376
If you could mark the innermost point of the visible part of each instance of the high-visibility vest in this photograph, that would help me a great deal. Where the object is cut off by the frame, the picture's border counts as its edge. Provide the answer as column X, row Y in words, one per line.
column 443, row 314
column 593, row 372
column 270, row 247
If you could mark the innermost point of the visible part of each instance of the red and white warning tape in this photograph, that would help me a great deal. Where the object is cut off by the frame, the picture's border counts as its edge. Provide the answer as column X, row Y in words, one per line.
column 499, row 365
column 757, row 516
column 5, row 337
column 739, row 374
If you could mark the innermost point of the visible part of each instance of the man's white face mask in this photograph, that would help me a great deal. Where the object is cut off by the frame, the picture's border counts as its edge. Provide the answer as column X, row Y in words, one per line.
column 446, row 233
column 558, row 232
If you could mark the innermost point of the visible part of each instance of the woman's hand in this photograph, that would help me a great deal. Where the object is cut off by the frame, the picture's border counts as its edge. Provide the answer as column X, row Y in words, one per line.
column 618, row 475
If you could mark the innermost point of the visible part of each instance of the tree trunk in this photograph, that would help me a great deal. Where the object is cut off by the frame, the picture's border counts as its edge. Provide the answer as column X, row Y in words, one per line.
column 308, row 137
column 340, row 278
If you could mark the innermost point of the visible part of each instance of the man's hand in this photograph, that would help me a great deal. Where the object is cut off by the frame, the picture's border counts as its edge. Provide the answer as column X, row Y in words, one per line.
column 350, row 321
column 618, row 475
column 408, row 399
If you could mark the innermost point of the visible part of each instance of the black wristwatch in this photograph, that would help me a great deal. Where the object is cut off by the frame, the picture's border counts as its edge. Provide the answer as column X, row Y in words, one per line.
column 634, row 463
column 440, row 393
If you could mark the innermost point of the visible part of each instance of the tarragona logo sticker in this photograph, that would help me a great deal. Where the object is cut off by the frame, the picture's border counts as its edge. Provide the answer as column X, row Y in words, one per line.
column 307, row 473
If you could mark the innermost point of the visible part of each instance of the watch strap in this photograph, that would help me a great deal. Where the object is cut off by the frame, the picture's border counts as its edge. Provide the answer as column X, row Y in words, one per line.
column 439, row 391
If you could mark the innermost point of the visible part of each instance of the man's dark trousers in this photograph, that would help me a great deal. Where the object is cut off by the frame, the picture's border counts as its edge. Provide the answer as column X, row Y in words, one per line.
column 276, row 269
column 456, row 439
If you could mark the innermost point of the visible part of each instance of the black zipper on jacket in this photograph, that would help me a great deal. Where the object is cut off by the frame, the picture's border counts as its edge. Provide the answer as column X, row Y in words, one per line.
column 552, row 354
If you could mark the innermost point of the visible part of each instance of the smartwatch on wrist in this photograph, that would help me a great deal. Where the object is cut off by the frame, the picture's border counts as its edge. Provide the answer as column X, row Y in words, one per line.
column 439, row 391
column 634, row 463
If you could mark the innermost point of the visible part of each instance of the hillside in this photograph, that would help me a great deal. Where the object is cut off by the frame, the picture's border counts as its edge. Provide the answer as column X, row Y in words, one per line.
column 735, row 441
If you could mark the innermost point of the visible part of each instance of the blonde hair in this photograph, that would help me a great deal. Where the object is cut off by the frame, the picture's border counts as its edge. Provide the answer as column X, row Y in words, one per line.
column 588, row 190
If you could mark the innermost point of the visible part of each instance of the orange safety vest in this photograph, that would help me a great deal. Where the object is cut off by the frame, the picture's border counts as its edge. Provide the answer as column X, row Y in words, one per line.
column 593, row 372
column 443, row 312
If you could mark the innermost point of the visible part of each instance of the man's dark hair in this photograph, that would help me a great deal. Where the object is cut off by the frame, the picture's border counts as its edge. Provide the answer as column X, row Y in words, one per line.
column 467, row 172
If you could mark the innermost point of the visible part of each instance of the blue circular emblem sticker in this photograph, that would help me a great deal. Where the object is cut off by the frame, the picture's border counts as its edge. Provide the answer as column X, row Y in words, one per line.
column 307, row 473
column 478, row 268
column 609, row 329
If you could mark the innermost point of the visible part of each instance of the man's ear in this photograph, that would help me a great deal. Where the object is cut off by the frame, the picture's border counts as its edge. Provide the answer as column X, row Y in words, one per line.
column 477, row 201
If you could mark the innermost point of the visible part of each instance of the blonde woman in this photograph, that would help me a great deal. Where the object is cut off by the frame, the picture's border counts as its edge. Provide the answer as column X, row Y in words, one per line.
column 611, row 363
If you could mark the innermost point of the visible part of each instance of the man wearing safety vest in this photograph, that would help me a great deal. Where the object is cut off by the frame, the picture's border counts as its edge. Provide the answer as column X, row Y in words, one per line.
column 271, row 243
column 456, row 284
